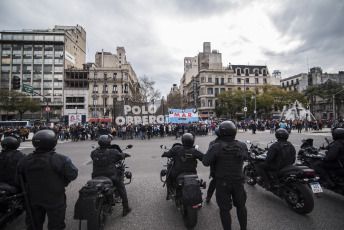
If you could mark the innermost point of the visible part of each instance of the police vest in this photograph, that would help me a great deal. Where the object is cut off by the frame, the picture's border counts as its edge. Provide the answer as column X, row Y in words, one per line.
column 103, row 163
column 185, row 160
column 42, row 180
column 229, row 162
column 8, row 166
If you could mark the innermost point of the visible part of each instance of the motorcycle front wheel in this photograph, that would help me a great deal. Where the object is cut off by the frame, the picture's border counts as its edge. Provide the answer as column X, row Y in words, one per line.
column 299, row 198
column 98, row 221
column 249, row 179
column 189, row 217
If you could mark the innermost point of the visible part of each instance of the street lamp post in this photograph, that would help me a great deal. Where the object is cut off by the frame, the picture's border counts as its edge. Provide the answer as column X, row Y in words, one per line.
column 334, row 104
column 95, row 96
column 255, row 98
column 245, row 108
column 104, row 89
column 76, row 114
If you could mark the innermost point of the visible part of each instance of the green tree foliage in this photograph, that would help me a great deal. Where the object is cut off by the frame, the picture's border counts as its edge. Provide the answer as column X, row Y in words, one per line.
column 267, row 98
column 14, row 101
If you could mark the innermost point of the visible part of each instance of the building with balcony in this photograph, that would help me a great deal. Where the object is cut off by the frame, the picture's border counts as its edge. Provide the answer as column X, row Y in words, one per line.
column 38, row 58
column 201, row 85
column 111, row 79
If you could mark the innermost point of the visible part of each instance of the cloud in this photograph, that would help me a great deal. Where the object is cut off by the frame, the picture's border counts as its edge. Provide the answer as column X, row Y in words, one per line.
column 157, row 34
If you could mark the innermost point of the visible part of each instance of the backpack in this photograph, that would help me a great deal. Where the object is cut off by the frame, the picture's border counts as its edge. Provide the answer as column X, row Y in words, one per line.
column 191, row 193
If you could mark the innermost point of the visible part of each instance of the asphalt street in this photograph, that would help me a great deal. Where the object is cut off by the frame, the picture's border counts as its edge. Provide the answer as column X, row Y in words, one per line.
column 147, row 196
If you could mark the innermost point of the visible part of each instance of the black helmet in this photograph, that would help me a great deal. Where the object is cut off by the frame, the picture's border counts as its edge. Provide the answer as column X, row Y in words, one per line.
column 228, row 128
column 217, row 132
column 10, row 143
column 338, row 134
column 44, row 140
column 104, row 141
column 188, row 139
column 282, row 134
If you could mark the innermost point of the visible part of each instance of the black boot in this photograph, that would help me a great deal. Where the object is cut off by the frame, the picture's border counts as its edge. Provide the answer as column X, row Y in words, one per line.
column 126, row 210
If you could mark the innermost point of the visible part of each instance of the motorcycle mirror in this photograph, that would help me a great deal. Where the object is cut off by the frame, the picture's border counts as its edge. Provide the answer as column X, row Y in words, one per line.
column 248, row 142
column 163, row 146
column 129, row 146
column 196, row 147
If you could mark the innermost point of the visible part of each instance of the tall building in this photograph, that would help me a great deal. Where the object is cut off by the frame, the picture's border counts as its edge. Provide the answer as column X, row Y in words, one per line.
column 39, row 58
column 201, row 84
column 111, row 79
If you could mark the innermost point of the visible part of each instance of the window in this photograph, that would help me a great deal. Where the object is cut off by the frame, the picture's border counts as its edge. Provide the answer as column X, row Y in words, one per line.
column 36, row 85
column 256, row 79
column 238, row 80
column 105, row 88
column 49, row 38
column 282, row 84
column 209, row 79
column 238, row 71
column 115, row 77
column 6, row 37
column 292, row 82
column 115, row 90
column 203, row 103
column 95, row 89
column 222, row 81
column 37, row 60
column 58, row 84
column 216, row 91
column 48, row 68
column 202, row 79
column 247, row 80
column 27, row 68
column 58, row 77
column 27, row 77
column 95, row 101
column 17, row 37
column 210, row 103
column 222, row 90
column 75, row 100
column 125, row 88
column 216, row 81
column 28, row 37
column 38, row 38
column 202, row 91
column 229, row 80
column 47, row 84
column 58, row 69
column 37, row 77
column 6, row 68
column 246, row 72
column 48, row 77
column 287, row 83
column 209, row 91
column 256, row 72
column 264, row 80
column 16, row 68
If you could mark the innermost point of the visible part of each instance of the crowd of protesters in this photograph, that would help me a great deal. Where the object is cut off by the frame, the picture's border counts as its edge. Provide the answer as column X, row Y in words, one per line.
column 90, row 131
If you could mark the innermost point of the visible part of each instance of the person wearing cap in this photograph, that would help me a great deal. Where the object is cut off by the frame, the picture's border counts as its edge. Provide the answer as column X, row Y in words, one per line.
column 45, row 174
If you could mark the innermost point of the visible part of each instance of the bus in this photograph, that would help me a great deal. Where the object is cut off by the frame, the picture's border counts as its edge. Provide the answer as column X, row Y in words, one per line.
column 15, row 123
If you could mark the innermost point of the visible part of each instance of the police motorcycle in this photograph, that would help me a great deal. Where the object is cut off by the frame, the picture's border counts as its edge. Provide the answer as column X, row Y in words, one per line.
column 99, row 196
column 308, row 155
column 186, row 192
column 290, row 183
column 11, row 204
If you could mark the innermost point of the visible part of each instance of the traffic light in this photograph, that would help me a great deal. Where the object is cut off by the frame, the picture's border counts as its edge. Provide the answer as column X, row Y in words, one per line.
column 50, row 114
column 16, row 83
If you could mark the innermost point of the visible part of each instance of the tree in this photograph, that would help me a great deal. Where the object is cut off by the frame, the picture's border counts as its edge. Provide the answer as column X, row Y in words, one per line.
column 174, row 100
column 232, row 102
column 13, row 101
column 147, row 90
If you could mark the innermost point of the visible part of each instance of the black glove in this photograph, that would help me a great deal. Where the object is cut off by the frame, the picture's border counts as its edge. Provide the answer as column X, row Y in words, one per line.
column 127, row 155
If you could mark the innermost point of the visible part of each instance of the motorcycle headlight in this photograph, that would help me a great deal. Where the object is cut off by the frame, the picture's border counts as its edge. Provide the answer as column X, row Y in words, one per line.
column 128, row 175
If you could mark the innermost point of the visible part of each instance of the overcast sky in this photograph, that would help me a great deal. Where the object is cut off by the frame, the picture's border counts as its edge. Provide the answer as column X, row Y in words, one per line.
column 286, row 35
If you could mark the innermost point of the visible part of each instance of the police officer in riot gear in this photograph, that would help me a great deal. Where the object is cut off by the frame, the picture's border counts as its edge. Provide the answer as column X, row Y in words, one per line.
column 280, row 154
column 46, row 174
column 104, row 164
column 185, row 160
column 212, row 184
column 227, row 157
column 334, row 157
column 9, row 158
